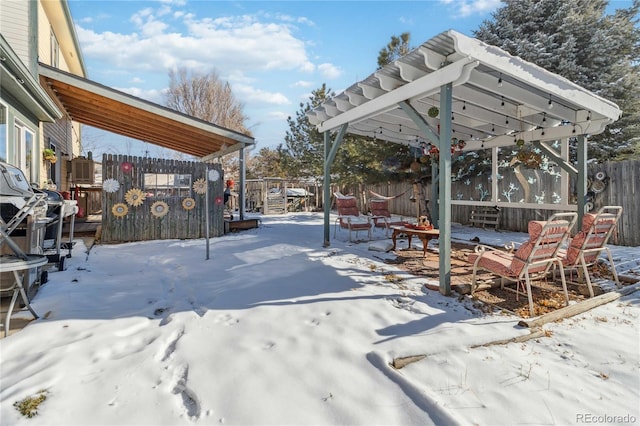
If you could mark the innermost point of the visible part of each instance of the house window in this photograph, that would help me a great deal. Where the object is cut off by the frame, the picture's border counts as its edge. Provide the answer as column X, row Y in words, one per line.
column 25, row 156
column 4, row 155
column 167, row 185
column 55, row 50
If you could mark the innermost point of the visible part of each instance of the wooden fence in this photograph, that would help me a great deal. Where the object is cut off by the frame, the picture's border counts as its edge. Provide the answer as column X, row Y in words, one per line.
column 619, row 187
column 153, row 199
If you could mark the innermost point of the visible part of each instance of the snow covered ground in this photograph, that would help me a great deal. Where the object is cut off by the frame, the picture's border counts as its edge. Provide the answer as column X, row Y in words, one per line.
column 276, row 329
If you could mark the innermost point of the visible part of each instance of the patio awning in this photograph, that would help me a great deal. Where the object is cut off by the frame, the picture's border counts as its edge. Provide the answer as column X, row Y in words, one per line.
column 496, row 99
column 99, row 106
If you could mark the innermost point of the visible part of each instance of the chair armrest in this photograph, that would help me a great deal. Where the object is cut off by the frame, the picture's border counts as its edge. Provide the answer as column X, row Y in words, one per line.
column 481, row 248
column 512, row 246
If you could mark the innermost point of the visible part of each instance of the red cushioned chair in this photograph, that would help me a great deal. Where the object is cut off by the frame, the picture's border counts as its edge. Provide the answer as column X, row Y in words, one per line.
column 349, row 217
column 585, row 248
column 532, row 260
column 381, row 215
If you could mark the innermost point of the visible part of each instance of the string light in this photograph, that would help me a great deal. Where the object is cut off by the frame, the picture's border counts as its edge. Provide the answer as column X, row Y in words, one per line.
column 500, row 80
column 550, row 102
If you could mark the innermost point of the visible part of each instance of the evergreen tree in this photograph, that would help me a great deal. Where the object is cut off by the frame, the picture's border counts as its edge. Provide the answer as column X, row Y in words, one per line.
column 396, row 48
column 359, row 159
column 577, row 40
column 302, row 155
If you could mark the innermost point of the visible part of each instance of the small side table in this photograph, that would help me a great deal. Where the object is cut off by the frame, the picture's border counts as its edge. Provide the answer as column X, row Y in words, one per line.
column 15, row 264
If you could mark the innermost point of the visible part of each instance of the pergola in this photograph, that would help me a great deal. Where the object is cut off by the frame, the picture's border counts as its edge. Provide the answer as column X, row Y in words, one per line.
column 485, row 96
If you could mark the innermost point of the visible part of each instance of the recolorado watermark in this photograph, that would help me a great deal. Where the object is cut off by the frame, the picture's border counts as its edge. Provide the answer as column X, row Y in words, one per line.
column 590, row 418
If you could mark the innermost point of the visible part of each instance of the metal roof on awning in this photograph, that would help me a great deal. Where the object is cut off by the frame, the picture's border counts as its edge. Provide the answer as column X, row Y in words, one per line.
column 99, row 106
column 497, row 98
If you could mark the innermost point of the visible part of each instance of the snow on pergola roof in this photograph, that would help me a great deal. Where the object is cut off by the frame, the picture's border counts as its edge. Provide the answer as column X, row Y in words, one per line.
column 497, row 98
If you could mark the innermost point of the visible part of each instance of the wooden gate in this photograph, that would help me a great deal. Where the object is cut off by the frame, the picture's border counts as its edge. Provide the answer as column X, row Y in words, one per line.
column 156, row 199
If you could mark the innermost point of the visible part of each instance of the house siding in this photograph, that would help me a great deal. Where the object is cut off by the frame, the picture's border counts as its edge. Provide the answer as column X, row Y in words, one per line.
column 13, row 17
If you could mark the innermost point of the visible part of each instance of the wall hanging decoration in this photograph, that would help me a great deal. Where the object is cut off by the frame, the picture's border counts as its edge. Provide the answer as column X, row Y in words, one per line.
column 120, row 210
column 219, row 200
column 159, row 208
column 126, row 167
column 214, row 175
column 188, row 203
column 200, row 186
column 433, row 112
column 110, row 185
column 134, row 197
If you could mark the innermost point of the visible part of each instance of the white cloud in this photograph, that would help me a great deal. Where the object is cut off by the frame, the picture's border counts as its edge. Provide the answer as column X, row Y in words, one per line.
column 154, row 95
column 253, row 96
column 278, row 115
column 466, row 8
column 241, row 43
column 302, row 83
column 329, row 70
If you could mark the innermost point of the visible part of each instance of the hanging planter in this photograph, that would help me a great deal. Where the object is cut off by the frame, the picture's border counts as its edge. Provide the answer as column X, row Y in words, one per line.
column 529, row 159
column 433, row 112
column 49, row 155
column 520, row 142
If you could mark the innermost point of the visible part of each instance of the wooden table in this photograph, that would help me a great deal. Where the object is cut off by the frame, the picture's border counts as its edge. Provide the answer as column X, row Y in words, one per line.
column 423, row 235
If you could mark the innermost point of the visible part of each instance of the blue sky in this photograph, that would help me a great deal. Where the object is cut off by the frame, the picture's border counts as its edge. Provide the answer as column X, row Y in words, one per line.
column 273, row 53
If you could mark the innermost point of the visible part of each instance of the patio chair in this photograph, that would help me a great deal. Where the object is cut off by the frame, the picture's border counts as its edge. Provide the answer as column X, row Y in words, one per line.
column 532, row 260
column 349, row 217
column 586, row 247
column 381, row 216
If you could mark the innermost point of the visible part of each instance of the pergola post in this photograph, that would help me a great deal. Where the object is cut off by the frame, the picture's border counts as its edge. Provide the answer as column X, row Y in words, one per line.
column 581, row 183
column 444, row 187
column 330, row 151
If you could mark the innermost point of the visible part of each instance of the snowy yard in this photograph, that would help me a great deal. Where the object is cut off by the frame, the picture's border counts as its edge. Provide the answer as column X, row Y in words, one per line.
column 276, row 329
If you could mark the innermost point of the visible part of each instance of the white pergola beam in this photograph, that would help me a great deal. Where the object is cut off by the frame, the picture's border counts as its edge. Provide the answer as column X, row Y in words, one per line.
column 456, row 72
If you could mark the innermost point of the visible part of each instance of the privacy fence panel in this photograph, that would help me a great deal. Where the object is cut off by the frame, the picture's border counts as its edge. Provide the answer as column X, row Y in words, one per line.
column 611, row 183
column 154, row 199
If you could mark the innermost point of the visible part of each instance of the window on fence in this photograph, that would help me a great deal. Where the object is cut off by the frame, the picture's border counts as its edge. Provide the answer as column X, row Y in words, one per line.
column 167, row 185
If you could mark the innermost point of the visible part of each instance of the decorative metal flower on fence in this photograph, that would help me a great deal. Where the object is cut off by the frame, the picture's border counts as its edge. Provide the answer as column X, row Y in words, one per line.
column 200, row 186
column 120, row 210
column 159, row 209
column 110, row 185
column 134, row 197
column 188, row 203
column 214, row 175
column 126, row 167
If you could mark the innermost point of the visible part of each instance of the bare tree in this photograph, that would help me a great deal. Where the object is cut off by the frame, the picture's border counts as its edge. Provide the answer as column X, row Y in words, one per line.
column 207, row 97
